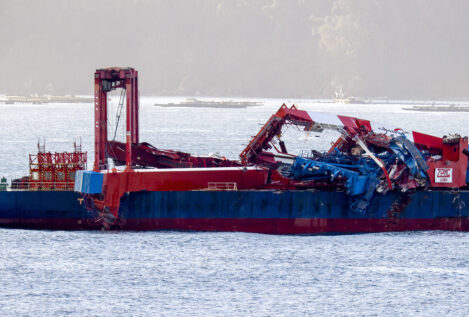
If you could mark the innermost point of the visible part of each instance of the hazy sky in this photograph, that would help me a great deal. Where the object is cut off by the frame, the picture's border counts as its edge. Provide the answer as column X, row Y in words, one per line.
column 265, row 48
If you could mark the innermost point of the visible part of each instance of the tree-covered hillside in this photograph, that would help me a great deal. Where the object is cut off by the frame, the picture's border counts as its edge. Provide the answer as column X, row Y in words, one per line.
column 269, row 48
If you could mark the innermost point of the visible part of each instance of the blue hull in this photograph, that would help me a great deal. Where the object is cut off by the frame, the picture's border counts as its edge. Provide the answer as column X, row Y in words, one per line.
column 281, row 212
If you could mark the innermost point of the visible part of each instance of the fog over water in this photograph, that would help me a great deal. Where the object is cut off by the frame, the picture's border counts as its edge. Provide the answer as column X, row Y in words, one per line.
column 265, row 48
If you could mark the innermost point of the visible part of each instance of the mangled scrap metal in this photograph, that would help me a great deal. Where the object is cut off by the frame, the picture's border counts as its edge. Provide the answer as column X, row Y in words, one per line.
column 367, row 157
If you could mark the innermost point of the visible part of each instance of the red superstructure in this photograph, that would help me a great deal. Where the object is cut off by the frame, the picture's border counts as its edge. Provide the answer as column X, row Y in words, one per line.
column 255, row 152
column 133, row 153
column 106, row 80
column 56, row 171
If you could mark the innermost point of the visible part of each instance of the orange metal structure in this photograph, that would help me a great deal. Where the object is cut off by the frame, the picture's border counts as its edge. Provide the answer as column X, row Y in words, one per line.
column 56, row 171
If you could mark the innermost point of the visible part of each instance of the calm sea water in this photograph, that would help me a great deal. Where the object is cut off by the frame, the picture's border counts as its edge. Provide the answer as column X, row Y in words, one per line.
column 47, row 273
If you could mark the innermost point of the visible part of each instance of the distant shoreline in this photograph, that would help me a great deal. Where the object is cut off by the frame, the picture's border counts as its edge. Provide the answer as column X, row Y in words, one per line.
column 38, row 99
column 238, row 102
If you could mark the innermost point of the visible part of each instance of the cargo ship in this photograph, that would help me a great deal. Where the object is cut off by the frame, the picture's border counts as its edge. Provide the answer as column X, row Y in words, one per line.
column 374, row 178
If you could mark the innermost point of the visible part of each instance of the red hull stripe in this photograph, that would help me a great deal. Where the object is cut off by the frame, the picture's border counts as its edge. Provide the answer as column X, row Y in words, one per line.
column 270, row 226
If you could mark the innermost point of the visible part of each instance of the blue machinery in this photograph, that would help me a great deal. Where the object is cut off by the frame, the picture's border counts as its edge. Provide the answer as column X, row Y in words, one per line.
column 362, row 174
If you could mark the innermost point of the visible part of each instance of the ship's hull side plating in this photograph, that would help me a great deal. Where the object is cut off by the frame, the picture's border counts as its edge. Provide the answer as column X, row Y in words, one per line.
column 273, row 212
